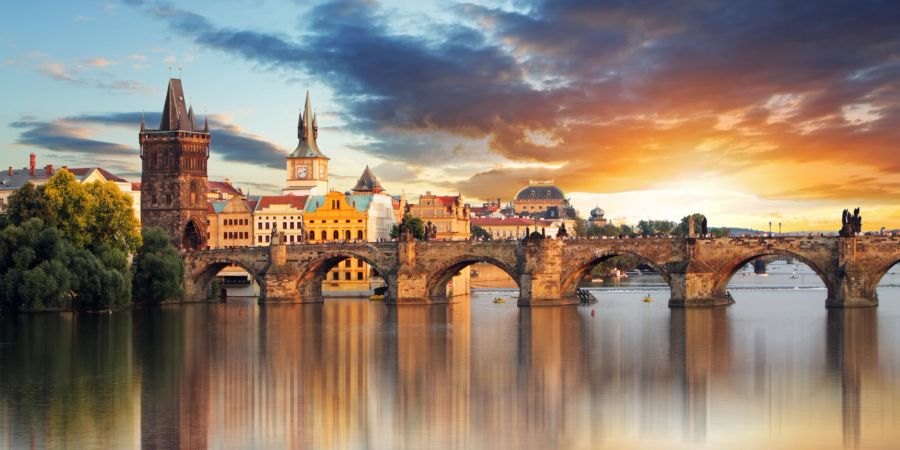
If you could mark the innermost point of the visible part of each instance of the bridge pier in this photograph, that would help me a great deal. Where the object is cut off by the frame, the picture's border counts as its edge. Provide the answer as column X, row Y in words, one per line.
column 854, row 288
column 697, row 289
column 540, row 282
column 281, row 277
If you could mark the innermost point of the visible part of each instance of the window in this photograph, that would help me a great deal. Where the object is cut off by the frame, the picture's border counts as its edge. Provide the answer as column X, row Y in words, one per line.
column 359, row 235
column 312, row 235
column 268, row 238
column 268, row 225
column 347, row 275
column 336, row 235
column 259, row 225
column 324, row 235
column 335, row 276
column 292, row 225
column 154, row 199
column 359, row 263
column 359, row 275
column 347, row 235
column 347, row 263
column 168, row 199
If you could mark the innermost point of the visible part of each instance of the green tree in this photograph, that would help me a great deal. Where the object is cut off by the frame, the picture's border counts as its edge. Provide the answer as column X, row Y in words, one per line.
column 480, row 233
column 415, row 223
column 158, row 270
column 102, row 279
column 34, row 267
column 655, row 227
column 28, row 202
column 682, row 229
column 71, row 206
column 112, row 221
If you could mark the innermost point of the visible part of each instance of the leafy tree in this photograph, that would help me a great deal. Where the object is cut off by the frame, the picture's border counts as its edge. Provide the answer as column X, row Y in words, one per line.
column 112, row 218
column 71, row 206
column 34, row 267
column 655, row 227
column 582, row 228
column 158, row 270
column 480, row 233
column 682, row 229
column 415, row 223
column 103, row 279
column 27, row 202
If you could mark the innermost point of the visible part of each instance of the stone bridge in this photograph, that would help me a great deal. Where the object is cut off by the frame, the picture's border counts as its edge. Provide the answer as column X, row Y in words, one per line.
column 547, row 271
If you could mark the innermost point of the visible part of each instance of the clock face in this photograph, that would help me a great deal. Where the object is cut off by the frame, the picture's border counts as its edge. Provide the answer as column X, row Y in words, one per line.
column 302, row 171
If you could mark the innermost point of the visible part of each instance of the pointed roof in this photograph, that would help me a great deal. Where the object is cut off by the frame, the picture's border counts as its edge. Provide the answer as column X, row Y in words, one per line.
column 191, row 117
column 175, row 115
column 367, row 182
column 307, row 128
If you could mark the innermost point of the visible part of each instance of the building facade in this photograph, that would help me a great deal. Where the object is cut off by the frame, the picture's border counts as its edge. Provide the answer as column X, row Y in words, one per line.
column 283, row 213
column 307, row 166
column 173, row 173
column 230, row 223
column 447, row 213
column 339, row 217
column 516, row 227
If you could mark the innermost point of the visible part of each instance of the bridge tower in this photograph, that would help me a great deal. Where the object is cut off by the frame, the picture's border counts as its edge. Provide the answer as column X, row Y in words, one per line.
column 173, row 173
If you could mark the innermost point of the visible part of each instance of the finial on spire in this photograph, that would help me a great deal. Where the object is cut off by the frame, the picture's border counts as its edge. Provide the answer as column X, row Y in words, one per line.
column 142, row 123
column 206, row 124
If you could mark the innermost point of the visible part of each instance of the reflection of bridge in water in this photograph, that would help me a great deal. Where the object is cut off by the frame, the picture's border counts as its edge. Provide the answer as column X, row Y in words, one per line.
column 547, row 271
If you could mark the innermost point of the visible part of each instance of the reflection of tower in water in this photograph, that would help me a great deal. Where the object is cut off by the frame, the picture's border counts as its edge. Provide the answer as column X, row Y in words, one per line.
column 852, row 351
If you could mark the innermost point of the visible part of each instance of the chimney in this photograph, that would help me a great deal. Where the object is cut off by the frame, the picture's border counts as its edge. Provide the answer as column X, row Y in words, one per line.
column 10, row 171
column 32, row 162
column 49, row 169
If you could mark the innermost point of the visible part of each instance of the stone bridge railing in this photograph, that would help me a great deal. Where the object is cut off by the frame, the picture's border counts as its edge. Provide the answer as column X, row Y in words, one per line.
column 547, row 271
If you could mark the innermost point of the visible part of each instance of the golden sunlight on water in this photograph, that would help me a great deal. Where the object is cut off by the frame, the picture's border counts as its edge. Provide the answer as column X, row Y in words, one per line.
column 774, row 370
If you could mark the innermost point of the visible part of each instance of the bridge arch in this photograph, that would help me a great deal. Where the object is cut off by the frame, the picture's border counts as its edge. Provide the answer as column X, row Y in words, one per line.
column 205, row 270
column 314, row 271
column 580, row 267
column 727, row 271
column 438, row 278
column 879, row 272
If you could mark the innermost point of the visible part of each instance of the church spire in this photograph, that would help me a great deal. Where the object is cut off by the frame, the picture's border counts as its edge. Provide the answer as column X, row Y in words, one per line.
column 191, row 118
column 307, row 133
column 175, row 114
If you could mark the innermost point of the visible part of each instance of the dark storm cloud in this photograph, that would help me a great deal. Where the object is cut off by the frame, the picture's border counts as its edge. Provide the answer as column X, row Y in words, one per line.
column 629, row 88
column 69, row 134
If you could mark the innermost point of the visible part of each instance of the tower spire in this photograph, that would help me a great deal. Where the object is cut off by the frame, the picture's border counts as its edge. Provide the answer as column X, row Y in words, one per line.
column 307, row 133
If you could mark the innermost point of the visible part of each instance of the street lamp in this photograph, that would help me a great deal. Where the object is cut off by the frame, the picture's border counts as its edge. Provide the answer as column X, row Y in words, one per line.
column 770, row 228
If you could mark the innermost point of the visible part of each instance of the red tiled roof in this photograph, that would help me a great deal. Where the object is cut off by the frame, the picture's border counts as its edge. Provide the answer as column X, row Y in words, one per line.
column 297, row 201
column 136, row 186
column 446, row 199
column 223, row 187
column 509, row 222
column 209, row 208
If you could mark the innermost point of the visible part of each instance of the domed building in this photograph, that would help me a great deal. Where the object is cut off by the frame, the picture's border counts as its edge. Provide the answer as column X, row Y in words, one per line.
column 598, row 217
column 544, row 199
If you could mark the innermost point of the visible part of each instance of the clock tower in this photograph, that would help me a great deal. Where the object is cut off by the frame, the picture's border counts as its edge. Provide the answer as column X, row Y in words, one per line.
column 307, row 166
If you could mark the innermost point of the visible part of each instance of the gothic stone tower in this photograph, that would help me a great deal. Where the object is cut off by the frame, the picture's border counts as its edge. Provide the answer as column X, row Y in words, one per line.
column 173, row 177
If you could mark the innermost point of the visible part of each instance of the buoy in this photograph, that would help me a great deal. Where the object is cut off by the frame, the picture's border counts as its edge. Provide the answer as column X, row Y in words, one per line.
column 648, row 299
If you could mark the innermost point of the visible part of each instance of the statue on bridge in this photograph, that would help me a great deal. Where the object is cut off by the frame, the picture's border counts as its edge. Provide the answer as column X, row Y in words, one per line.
column 405, row 230
column 562, row 233
column 703, row 229
column 851, row 225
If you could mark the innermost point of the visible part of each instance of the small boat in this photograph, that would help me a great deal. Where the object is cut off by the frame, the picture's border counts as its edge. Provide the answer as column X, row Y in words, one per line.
column 596, row 280
column 648, row 299
column 499, row 300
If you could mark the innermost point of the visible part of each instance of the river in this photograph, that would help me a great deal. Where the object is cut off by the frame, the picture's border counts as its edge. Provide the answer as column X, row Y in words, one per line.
column 776, row 369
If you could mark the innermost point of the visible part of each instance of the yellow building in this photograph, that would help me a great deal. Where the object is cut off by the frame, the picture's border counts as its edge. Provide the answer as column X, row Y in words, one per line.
column 281, row 212
column 339, row 217
column 446, row 212
column 230, row 223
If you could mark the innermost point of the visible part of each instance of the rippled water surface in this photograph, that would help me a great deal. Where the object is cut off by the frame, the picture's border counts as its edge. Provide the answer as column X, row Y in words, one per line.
column 776, row 369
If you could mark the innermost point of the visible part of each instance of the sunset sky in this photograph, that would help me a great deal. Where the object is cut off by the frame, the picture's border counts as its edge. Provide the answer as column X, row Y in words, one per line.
column 748, row 111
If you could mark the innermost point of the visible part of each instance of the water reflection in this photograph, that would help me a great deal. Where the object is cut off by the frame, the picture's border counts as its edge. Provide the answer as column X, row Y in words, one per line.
column 357, row 374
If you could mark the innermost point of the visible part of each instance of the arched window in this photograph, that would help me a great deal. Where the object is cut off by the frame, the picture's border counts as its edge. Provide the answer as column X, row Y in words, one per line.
column 359, row 235
column 337, row 235
column 347, row 235
column 312, row 235
column 324, row 235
